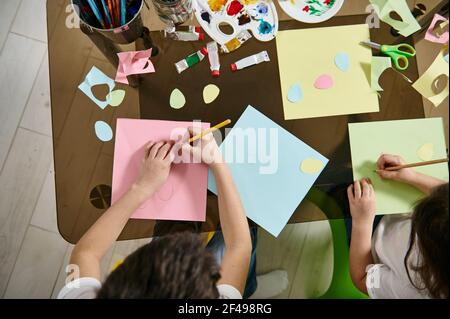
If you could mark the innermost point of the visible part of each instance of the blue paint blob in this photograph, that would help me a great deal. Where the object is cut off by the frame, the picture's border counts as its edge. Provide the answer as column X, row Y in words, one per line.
column 205, row 16
column 103, row 131
column 262, row 8
column 342, row 61
column 264, row 27
column 295, row 93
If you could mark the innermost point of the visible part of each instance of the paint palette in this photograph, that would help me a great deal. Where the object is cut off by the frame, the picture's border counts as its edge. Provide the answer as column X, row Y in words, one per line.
column 311, row 11
column 217, row 17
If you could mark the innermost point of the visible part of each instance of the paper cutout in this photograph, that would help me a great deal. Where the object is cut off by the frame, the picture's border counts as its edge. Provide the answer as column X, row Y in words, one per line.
column 133, row 62
column 210, row 93
column 379, row 65
column 342, row 61
column 270, row 190
column 295, row 93
column 103, row 131
column 404, row 137
column 324, row 82
column 446, row 58
column 426, row 83
column 425, row 152
column 407, row 26
column 177, row 99
column 351, row 93
column 442, row 39
column 183, row 196
column 93, row 78
column 116, row 97
column 311, row 166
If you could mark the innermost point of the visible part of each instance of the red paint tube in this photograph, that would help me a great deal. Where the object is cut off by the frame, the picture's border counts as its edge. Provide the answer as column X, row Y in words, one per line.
column 213, row 56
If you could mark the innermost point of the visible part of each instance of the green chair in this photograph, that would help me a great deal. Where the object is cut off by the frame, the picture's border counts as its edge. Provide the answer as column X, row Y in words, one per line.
column 341, row 286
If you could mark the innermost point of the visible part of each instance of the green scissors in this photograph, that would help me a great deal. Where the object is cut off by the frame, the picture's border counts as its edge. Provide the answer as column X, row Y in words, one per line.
column 398, row 53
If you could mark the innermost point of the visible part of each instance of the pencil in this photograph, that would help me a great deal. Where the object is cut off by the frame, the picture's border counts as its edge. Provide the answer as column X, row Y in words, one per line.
column 123, row 12
column 399, row 167
column 111, row 10
column 105, row 9
column 96, row 12
column 210, row 130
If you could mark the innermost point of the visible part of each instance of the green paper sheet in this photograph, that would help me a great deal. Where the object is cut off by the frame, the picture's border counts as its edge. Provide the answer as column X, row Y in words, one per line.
column 379, row 65
column 407, row 26
column 369, row 140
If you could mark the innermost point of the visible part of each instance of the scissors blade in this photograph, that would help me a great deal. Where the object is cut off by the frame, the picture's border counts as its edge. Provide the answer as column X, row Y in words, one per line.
column 372, row 45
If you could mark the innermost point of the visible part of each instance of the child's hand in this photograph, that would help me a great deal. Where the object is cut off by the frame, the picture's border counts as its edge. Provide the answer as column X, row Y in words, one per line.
column 155, row 168
column 405, row 175
column 361, row 197
column 205, row 149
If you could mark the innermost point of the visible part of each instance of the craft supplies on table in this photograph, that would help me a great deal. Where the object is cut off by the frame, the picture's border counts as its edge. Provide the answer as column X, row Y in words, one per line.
column 191, row 60
column 173, row 12
column 213, row 57
column 193, row 33
column 398, row 53
column 311, row 11
column 254, row 59
column 257, row 16
column 236, row 42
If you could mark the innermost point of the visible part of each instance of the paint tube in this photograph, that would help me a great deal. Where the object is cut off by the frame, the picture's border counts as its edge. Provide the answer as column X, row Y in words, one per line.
column 235, row 43
column 254, row 59
column 213, row 56
column 192, row 34
column 191, row 60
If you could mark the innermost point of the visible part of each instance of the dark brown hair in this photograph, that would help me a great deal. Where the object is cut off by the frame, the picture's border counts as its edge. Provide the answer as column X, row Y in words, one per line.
column 170, row 267
column 429, row 228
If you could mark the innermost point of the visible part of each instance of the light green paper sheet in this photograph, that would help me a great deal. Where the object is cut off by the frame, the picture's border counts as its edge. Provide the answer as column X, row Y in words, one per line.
column 424, row 85
column 407, row 26
column 305, row 54
column 379, row 65
column 369, row 140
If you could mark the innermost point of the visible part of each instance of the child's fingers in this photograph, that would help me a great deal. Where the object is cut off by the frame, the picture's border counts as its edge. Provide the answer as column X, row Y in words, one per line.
column 162, row 152
column 365, row 188
column 357, row 189
column 147, row 148
column 350, row 194
column 154, row 149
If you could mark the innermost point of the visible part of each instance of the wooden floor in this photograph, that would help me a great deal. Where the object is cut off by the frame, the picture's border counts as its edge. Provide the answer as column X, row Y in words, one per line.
column 33, row 255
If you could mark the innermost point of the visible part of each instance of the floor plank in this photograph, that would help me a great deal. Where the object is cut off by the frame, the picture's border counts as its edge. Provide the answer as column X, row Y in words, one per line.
column 31, row 20
column 37, row 265
column 7, row 14
column 20, row 184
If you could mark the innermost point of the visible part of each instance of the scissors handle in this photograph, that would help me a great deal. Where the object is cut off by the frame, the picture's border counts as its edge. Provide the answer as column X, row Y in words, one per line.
column 399, row 54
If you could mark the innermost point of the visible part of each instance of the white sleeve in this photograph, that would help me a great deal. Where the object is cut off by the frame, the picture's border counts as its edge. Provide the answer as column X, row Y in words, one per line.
column 82, row 288
column 381, row 282
column 228, row 292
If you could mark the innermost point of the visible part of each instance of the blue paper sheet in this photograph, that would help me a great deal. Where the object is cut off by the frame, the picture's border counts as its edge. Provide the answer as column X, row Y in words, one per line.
column 93, row 78
column 269, row 179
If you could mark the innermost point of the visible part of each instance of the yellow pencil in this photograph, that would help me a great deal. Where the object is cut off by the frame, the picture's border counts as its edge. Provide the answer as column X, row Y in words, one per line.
column 210, row 130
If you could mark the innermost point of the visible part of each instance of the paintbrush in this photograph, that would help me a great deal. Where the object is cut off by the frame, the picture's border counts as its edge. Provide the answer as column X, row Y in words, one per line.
column 399, row 167
column 210, row 130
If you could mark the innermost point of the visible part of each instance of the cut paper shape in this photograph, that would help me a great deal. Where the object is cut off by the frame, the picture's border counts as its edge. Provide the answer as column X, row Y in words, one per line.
column 103, row 131
column 210, row 93
column 133, row 62
column 311, row 166
column 93, row 78
column 324, row 82
column 342, row 61
column 408, row 24
column 403, row 137
column 295, row 93
column 183, row 196
column 351, row 93
column 270, row 188
column 430, row 36
column 425, row 85
column 425, row 152
column 379, row 65
column 446, row 58
column 177, row 99
column 116, row 97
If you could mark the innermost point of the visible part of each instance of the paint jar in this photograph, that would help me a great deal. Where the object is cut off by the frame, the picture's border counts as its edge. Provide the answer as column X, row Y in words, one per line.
column 173, row 11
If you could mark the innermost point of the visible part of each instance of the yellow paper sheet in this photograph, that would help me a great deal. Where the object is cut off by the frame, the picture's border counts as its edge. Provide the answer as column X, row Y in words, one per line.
column 305, row 54
column 424, row 85
column 407, row 26
column 379, row 65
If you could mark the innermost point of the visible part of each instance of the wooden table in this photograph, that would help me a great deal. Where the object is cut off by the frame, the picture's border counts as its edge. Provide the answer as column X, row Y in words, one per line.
column 82, row 162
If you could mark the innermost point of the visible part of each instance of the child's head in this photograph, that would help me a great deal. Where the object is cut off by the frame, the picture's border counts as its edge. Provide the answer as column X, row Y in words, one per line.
column 174, row 266
column 429, row 230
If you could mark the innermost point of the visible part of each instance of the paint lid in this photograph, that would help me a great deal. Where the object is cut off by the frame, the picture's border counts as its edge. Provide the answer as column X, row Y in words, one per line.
column 201, row 36
column 233, row 67
column 198, row 29
column 215, row 73
column 204, row 51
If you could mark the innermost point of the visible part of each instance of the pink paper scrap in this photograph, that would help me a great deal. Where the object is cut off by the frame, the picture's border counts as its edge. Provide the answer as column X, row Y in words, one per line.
column 133, row 62
column 433, row 38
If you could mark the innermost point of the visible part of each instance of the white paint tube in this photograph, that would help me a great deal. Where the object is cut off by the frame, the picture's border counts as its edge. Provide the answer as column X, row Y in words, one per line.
column 254, row 59
column 213, row 56
column 193, row 34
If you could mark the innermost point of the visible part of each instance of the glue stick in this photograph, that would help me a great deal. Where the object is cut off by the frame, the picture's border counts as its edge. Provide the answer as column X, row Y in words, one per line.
column 191, row 60
column 254, row 59
column 213, row 56
column 236, row 42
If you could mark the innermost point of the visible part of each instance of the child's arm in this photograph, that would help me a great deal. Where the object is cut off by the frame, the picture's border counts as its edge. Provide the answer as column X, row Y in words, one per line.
column 91, row 248
column 238, row 246
column 362, row 208
column 422, row 182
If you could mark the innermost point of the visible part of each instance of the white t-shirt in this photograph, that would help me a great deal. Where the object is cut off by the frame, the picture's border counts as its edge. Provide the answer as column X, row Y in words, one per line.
column 387, row 278
column 87, row 288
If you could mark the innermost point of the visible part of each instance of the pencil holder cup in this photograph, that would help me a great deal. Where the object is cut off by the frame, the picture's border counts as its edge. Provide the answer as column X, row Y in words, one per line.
column 173, row 12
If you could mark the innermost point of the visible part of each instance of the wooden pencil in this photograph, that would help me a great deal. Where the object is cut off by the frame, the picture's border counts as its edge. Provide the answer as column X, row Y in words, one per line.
column 210, row 130
column 399, row 167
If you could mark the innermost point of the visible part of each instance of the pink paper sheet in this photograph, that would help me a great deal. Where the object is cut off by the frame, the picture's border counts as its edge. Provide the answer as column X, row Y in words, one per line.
column 443, row 39
column 183, row 196
column 133, row 62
